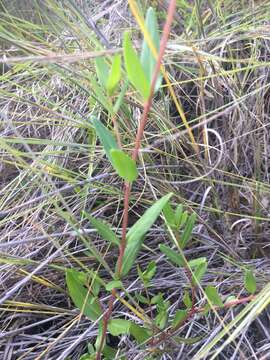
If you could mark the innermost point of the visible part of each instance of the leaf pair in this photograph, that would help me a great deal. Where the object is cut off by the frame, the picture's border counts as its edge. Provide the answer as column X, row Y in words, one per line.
column 122, row 163
column 140, row 71
column 84, row 293
column 135, row 236
column 147, row 275
column 118, row 327
column 198, row 266
column 137, row 232
column 109, row 79
column 177, row 219
column 162, row 306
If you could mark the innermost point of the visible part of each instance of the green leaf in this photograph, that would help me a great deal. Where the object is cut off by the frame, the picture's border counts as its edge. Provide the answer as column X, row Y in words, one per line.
column 81, row 296
column 103, row 229
column 250, row 282
column 138, row 230
column 97, row 95
column 206, row 309
column 150, row 271
column 196, row 262
column 114, row 284
column 102, row 70
column 184, row 218
column 147, row 59
column 213, row 296
column 187, row 300
column 115, row 75
column 157, row 299
column 140, row 333
column 118, row 327
column 161, row 319
column 135, row 72
column 147, row 274
column 230, row 298
column 125, row 167
column 188, row 341
column 178, row 215
column 105, row 136
column 140, row 273
column 142, row 299
column 188, row 230
column 174, row 256
column 169, row 215
column 179, row 317
column 86, row 357
column 199, row 273
column 121, row 97
column 90, row 348
column 110, row 353
column 99, row 336
column 95, row 285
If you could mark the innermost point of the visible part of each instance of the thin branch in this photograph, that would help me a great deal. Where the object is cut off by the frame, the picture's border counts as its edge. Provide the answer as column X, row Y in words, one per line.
column 52, row 57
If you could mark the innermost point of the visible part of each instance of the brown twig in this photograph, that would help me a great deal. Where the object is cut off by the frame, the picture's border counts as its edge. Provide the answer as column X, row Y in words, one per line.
column 127, row 187
column 51, row 57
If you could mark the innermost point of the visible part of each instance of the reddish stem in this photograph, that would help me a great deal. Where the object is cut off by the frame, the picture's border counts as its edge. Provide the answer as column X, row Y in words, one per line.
column 124, row 229
column 127, row 188
column 147, row 106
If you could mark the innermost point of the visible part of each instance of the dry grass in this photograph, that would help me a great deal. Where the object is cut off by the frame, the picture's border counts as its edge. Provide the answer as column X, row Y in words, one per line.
column 53, row 168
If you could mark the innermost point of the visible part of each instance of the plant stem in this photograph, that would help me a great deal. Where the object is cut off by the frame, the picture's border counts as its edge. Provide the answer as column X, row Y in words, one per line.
column 127, row 186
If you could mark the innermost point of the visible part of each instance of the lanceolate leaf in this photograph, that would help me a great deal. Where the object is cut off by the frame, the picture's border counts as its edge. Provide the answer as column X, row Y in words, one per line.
column 161, row 319
column 135, row 72
column 250, row 282
column 138, row 230
column 118, row 327
column 188, row 230
column 178, row 215
column 140, row 333
column 199, row 272
column 81, row 296
column 99, row 96
column 180, row 317
column 115, row 75
column 103, row 229
column 169, row 215
column 148, row 60
column 188, row 341
column 196, row 262
column 102, row 70
column 213, row 295
column 173, row 256
column 109, row 353
column 187, row 300
column 114, row 284
column 124, row 165
column 150, row 271
column 105, row 136
column 184, row 218
column 121, row 97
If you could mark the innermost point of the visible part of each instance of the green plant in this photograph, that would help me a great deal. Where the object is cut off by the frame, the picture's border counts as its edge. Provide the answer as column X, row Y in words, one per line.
column 63, row 85
column 85, row 288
